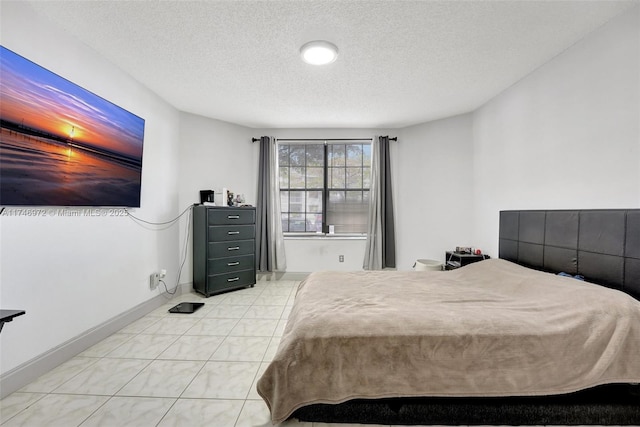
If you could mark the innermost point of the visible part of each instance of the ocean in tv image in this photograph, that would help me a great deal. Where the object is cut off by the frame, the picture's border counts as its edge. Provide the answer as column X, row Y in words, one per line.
column 61, row 145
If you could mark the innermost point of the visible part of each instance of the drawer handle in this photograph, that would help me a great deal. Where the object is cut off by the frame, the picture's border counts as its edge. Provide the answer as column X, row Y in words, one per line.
column 233, row 216
column 230, row 264
column 233, row 279
column 231, row 233
column 235, row 248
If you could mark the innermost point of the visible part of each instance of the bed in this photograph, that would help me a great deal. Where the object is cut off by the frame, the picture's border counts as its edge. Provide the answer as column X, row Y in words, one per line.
column 496, row 329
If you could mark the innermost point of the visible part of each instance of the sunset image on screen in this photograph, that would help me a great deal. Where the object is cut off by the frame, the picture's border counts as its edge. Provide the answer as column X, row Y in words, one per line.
column 62, row 145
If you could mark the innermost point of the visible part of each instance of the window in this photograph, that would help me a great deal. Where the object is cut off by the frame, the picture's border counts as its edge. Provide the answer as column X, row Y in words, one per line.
column 324, row 184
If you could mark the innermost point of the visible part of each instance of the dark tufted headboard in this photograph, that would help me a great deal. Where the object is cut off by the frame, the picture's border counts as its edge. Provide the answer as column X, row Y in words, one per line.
column 602, row 245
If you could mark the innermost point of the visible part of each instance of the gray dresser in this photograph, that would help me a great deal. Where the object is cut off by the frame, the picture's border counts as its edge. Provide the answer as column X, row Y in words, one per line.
column 223, row 248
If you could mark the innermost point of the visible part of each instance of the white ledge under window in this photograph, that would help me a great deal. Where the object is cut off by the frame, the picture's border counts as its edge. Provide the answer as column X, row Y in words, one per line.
column 321, row 236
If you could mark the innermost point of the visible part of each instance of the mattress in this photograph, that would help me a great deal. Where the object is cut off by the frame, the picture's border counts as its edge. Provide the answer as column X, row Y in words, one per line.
column 492, row 328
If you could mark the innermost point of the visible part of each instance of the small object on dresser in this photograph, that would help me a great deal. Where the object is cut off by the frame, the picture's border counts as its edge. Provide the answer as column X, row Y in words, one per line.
column 207, row 197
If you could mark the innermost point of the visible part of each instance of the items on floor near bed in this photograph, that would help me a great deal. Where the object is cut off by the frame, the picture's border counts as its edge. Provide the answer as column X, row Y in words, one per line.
column 492, row 328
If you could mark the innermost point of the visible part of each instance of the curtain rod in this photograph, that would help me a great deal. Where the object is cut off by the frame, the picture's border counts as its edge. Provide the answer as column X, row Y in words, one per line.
column 395, row 138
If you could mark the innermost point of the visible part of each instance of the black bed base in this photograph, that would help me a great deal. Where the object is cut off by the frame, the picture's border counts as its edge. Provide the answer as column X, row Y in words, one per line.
column 615, row 404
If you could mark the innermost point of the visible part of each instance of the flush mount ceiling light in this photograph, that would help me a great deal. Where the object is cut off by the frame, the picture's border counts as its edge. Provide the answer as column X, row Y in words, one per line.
column 319, row 52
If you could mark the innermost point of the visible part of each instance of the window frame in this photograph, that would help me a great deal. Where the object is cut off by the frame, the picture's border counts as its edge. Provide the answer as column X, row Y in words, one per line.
column 326, row 182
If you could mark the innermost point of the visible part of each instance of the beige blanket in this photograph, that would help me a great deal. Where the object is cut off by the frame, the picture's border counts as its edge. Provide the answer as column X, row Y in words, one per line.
column 492, row 328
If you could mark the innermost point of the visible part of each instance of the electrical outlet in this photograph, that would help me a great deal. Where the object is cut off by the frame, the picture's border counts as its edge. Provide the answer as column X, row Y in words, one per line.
column 341, row 258
column 163, row 273
column 154, row 280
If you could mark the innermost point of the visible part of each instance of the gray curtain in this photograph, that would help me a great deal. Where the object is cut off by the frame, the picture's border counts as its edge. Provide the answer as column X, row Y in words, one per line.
column 269, row 239
column 380, row 251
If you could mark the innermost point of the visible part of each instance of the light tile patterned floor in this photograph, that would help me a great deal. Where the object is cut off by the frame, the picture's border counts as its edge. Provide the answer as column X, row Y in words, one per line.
column 167, row 369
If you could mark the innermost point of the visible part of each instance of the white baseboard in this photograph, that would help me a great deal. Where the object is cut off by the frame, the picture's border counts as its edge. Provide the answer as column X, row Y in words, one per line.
column 27, row 372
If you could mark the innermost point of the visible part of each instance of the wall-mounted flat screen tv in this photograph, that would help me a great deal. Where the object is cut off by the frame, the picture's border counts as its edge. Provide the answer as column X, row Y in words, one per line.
column 62, row 145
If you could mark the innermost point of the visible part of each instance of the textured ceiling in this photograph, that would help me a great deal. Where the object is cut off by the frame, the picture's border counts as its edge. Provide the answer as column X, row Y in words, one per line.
column 400, row 62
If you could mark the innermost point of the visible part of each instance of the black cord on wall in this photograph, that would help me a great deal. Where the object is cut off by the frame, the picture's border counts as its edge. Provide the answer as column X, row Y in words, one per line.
column 165, row 225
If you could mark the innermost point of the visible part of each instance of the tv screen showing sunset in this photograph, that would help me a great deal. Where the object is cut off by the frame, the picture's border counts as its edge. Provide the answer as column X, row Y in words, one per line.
column 61, row 145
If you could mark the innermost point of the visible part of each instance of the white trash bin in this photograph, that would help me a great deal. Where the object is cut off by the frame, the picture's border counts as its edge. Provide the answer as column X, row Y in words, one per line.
column 427, row 264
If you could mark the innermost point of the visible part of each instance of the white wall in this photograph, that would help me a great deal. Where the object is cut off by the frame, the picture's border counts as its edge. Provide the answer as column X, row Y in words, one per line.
column 566, row 136
column 317, row 254
column 72, row 274
column 213, row 154
column 435, row 189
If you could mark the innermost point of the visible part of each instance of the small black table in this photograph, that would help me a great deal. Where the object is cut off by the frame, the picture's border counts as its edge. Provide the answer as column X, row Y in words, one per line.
column 455, row 260
column 8, row 315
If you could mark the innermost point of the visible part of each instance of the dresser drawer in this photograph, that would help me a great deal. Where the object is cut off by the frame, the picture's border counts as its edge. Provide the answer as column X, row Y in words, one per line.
column 231, row 216
column 220, row 282
column 231, row 264
column 231, row 232
column 231, row 249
